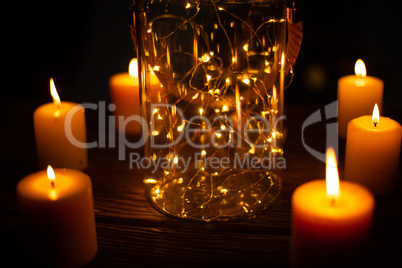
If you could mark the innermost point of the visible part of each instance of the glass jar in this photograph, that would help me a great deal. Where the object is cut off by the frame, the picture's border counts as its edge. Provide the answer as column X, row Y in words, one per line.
column 212, row 91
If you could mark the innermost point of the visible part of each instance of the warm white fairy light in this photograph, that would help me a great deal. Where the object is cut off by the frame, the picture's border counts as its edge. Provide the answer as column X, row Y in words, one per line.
column 205, row 57
column 216, row 94
column 149, row 180
column 180, row 128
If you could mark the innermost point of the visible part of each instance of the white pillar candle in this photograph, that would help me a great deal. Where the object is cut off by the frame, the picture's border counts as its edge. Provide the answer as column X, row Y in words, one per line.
column 58, row 217
column 357, row 95
column 60, row 133
column 373, row 147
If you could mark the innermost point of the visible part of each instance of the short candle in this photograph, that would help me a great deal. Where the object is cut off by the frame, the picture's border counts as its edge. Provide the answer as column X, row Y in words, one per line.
column 373, row 146
column 357, row 95
column 331, row 221
column 60, row 133
column 56, row 208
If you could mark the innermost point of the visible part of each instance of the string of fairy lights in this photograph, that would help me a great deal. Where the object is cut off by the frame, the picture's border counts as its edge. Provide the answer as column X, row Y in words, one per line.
column 232, row 109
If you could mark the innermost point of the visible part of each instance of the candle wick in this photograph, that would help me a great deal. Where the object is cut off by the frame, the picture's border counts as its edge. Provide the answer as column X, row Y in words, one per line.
column 52, row 183
column 332, row 201
column 375, row 124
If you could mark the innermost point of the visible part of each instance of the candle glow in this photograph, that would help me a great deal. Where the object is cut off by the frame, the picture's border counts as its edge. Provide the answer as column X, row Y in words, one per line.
column 376, row 115
column 50, row 175
column 52, row 178
column 53, row 92
column 360, row 68
column 332, row 176
column 133, row 68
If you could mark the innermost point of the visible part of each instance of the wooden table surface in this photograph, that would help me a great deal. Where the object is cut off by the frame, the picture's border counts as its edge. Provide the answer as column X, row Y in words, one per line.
column 131, row 233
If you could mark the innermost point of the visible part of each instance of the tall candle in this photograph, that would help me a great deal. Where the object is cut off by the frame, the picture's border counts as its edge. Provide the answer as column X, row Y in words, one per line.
column 60, row 133
column 373, row 146
column 58, row 218
column 125, row 94
column 357, row 95
column 331, row 221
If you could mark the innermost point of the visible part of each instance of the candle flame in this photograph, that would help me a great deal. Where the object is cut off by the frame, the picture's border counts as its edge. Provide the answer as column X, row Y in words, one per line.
column 360, row 68
column 133, row 68
column 53, row 92
column 376, row 115
column 332, row 176
column 50, row 175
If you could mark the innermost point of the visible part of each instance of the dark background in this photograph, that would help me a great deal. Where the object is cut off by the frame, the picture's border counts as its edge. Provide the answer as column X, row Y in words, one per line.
column 82, row 43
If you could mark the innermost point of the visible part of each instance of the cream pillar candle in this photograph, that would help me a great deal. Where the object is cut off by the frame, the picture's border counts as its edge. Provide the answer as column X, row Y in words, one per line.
column 373, row 147
column 60, row 133
column 125, row 94
column 357, row 95
column 58, row 217
column 331, row 221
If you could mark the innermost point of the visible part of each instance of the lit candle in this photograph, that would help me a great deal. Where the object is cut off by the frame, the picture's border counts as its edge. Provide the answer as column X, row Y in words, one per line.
column 60, row 133
column 58, row 218
column 125, row 94
column 331, row 221
column 373, row 147
column 357, row 95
